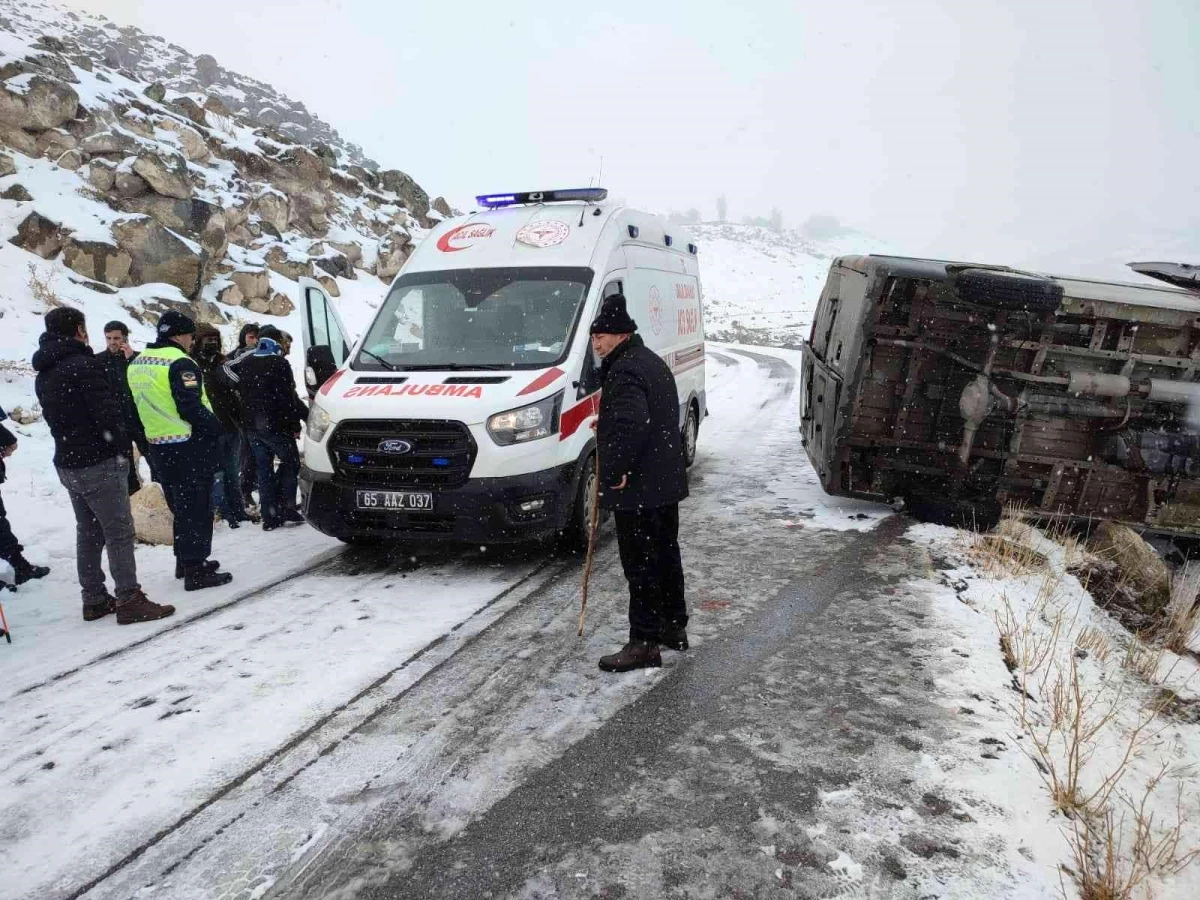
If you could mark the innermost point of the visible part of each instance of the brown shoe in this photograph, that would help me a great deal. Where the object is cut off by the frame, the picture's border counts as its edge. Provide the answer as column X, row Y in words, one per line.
column 94, row 611
column 138, row 608
column 634, row 655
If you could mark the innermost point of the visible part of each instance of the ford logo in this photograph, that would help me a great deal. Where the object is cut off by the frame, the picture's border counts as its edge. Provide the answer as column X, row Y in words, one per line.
column 395, row 447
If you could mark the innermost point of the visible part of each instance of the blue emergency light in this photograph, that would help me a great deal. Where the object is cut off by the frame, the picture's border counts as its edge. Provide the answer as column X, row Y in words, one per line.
column 499, row 201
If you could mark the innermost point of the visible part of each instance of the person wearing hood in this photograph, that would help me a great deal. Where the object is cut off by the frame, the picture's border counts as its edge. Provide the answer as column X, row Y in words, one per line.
column 91, row 456
column 248, row 466
column 227, row 491
column 272, row 416
column 643, row 477
column 11, row 550
column 168, row 388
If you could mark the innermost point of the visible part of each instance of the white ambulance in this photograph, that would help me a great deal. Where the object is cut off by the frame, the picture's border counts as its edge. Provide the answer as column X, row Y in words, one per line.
column 464, row 412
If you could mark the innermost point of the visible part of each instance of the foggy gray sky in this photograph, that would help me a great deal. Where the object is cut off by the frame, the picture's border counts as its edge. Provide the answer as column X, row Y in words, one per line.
column 1024, row 131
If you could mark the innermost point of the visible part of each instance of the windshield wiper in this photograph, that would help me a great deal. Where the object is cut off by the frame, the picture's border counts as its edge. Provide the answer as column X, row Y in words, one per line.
column 390, row 366
column 455, row 367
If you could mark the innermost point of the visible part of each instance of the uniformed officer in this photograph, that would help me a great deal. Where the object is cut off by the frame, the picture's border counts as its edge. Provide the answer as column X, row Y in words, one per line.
column 168, row 388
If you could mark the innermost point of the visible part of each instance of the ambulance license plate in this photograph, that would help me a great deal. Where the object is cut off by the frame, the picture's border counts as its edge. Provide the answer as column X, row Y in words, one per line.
column 401, row 501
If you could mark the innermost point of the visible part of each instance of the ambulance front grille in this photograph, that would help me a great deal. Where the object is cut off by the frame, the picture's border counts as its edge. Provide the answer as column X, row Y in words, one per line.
column 439, row 455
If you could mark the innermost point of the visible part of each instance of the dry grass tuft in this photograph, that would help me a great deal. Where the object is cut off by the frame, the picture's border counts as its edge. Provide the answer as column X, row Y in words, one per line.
column 1180, row 629
column 43, row 292
column 1093, row 641
column 1142, row 658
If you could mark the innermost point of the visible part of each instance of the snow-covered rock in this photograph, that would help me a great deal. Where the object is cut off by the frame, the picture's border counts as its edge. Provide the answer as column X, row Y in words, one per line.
column 152, row 519
column 36, row 102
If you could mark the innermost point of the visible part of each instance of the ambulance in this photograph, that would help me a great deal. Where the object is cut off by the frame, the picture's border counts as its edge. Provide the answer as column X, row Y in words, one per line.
column 464, row 412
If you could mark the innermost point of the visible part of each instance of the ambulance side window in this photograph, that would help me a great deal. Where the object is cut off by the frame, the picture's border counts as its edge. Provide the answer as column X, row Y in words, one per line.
column 589, row 377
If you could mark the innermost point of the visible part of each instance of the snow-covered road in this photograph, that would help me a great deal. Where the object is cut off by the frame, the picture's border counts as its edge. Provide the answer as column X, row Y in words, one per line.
column 328, row 735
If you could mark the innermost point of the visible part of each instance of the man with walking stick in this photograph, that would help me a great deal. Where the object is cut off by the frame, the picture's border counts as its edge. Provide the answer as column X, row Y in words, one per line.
column 642, row 479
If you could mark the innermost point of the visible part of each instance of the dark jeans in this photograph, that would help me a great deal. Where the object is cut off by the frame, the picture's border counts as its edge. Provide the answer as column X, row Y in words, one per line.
column 649, row 543
column 227, row 485
column 186, row 471
column 249, row 466
column 103, row 522
column 276, row 490
column 9, row 545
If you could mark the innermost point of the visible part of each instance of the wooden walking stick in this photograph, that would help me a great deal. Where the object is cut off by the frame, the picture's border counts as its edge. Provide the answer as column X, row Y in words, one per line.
column 4, row 632
column 594, row 520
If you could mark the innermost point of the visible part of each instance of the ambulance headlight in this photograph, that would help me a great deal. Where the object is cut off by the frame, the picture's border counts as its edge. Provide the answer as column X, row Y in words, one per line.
column 318, row 423
column 529, row 423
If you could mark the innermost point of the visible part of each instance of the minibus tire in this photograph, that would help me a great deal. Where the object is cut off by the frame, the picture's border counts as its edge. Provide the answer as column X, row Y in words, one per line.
column 1008, row 290
column 691, row 426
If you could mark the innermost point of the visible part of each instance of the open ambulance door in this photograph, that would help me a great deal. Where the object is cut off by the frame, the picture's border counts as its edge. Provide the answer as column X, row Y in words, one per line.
column 326, row 345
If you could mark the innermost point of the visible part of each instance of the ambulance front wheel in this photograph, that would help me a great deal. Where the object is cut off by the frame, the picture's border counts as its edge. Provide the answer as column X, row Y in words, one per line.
column 691, row 433
column 575, row 535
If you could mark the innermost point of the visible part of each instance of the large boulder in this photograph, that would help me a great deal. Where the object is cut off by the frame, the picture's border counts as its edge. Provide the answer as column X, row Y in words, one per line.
column 394, row 251
column 98, row 261
column 102, row 175
column 71, row 160
column 345, row 184
column 231, row 295
column 40, row 235
column 127, row 184
column 273, row 207
column 411, row 194
column 330, row 284
column 336, row 264
column 190, row 140
column 156, row 92
column 36, row 102
column 54, row 143
column 7, row 166
column 191, row 109
column 351, row 250
column 16, row 139
column 260, row 305
column 440, row 205
column 217, row 106
column 254, row 284
column 152, row 519
column 167, row 174
column 289, row 266
column 208, row 70
column 1140, row 566
column 109, row 143
column 196, row 218
column 280, row 305
column 17, row 192
column 160, row 255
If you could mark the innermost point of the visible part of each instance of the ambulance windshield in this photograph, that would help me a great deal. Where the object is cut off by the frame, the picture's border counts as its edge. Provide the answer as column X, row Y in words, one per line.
column 477, row 318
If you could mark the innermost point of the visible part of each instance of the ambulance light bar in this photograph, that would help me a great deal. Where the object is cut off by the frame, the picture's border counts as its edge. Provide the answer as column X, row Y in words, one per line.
column 499, row 201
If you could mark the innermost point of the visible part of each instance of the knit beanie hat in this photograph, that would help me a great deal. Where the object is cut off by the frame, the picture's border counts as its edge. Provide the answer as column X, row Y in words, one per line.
column 613, row 318
column 173, row 324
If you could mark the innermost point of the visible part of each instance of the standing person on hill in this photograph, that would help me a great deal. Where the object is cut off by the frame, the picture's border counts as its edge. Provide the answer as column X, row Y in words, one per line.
column 227, row 491
column 168, row 388
column 116, row 357
column 10, row 547
column 91, row 454
column 272, row 416
column 643, row 477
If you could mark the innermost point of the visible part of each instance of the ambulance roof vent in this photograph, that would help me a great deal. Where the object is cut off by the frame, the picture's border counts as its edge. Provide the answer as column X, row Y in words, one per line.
column 499, row 201
column 633, row 231
column 668, row 240
column 693, row 249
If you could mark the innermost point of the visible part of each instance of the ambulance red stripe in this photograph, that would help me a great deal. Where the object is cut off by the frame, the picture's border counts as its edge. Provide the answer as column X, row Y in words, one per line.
column 546, row 379
column 572, row 418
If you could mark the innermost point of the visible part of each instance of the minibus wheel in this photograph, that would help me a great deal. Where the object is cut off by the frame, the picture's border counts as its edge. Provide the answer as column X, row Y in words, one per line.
column 575, row 535
column 691, row 432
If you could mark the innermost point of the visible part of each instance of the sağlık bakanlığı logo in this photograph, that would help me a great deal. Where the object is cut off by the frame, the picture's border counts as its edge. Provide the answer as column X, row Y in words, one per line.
column 656, row 313
column 453, row 240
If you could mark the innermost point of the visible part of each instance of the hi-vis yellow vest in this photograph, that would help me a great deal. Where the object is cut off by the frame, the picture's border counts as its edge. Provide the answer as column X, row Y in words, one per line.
column 149, row 381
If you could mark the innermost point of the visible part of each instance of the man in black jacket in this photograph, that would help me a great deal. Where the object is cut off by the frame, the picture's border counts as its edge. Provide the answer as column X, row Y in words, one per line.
column 91, row 450
column 272, row 416
column 227, row 491
column 642, row 479
column 10, row 547
column 116, row 357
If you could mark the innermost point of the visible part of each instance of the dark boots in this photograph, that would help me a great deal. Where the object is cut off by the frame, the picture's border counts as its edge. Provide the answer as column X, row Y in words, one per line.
column 209, row 565
column 101, row 608
column 634, row 655
column 674, row 638
column 137, row 607
column 203, row 576
column 24, row 570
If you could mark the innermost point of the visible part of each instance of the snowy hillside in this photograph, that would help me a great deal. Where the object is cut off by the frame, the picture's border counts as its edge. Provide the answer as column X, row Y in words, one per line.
column 762, row 286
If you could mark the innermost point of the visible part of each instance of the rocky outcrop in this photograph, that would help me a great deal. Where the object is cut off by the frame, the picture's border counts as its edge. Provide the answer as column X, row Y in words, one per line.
column 159, row 255
column 166, row 174
column 128, row 184
column 231, row 295
column 98, row 261
column 441, row 206
column 36, row 102
column 254, row 285
column 410, row 193
column 7, row 166
column 1140, row 566
column 274, row 208
column 156, row 92
column 330, row 285
column 289, row 266
column 18, row 193
column 280, row 305
column 394, row 251
column 109, row 143
column 40, row 236
column 190, row 140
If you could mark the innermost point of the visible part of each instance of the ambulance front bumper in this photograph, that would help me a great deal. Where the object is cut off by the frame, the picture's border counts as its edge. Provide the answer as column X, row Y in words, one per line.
column 511, row 509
